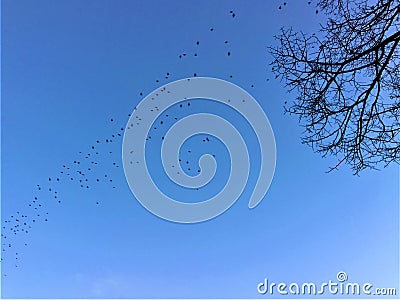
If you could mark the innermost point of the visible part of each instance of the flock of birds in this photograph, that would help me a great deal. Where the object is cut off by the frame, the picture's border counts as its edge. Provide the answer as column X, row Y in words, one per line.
column 87, row 171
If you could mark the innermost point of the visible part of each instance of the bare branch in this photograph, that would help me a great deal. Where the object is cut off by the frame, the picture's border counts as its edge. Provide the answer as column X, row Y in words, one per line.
column 347, row 81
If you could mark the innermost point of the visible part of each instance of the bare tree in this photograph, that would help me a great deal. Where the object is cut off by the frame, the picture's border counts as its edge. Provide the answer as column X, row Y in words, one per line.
column 347, row 81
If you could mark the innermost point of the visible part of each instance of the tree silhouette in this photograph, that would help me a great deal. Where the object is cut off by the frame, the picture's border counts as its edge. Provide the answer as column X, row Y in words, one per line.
column 347, row 79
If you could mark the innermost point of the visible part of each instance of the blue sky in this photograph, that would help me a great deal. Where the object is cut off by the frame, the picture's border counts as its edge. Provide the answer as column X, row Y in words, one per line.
column 69, row 67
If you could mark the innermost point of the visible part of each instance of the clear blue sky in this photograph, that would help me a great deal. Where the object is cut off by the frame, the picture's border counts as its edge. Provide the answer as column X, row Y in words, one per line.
column 69, row 67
